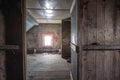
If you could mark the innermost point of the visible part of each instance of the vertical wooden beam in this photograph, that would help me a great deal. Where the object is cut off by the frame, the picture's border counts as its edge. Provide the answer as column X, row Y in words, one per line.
column 116, row 57
column 2, row 42
column 84, row 37
column 24, row 47
column 79, row 6
column 100, row 39
column 109, row 38
column 92, row 38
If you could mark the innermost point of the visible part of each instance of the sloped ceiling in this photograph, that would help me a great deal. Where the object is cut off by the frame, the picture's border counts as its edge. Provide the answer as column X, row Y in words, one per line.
column 30, row 22
column 49, row 11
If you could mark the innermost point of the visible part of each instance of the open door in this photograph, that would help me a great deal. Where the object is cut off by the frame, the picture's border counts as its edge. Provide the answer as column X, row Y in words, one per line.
column 66, row 25
column 74, row 43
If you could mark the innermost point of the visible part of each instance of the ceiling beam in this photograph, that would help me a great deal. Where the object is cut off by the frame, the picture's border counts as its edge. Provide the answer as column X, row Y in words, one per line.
column 49, row 18
column 49, row 9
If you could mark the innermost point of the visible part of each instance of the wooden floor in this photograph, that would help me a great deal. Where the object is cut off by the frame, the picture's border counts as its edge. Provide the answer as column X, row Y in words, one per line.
column 47, row 67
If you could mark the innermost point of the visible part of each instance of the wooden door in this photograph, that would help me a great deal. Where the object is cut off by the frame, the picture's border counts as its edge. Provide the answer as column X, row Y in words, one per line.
column 100, row 29
column 14, row 21
column 66, row 25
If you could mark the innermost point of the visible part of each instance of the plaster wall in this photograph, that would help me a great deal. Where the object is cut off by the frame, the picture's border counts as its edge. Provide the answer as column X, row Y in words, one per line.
column 35, row 34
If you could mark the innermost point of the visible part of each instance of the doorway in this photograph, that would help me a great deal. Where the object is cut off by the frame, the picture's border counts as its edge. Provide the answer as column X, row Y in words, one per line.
column 44, row 39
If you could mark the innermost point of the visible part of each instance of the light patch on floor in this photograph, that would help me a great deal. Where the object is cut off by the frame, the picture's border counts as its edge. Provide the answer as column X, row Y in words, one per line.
column 47, row 67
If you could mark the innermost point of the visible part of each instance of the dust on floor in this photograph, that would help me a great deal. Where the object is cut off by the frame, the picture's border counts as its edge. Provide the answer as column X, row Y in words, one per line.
column 47, row 67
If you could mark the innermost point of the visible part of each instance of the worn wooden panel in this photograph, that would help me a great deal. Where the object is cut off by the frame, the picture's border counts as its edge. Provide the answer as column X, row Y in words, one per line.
column 66, row 39
column 84, row 40
column 14, row 35
column 116, row 57
column 92, row 38
column 2, row 53
column 9, row 47
column 100, row 25
column 101, row 47
column 109, row 37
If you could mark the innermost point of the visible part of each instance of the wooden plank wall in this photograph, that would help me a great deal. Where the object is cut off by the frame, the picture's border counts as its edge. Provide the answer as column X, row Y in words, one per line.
column 14, row 33
column 100, row 25
column 2, row 53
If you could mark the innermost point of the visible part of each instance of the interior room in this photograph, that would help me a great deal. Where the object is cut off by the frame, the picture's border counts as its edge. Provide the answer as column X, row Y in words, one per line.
column 48, row 26
column 59, row 40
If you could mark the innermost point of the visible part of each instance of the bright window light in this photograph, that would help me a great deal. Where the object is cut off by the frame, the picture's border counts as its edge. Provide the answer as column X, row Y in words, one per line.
column 48, row 40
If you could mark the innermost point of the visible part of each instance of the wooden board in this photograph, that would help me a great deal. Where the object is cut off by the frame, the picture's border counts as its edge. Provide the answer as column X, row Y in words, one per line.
column 101, row 47
column 100, row 24
column 13, row 12
column 2, row 42
column 9, row 47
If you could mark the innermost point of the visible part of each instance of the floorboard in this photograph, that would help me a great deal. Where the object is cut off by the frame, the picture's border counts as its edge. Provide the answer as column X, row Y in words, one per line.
column 47, row 67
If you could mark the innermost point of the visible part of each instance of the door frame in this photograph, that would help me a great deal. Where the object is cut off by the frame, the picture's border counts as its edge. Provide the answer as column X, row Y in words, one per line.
column 23, row 10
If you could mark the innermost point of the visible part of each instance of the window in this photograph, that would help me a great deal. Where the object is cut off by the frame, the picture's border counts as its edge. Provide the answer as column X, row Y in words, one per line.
column 47, row 39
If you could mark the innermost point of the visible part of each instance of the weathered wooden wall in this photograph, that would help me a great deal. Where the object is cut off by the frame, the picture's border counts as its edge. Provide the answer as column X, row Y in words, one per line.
column 100, row 26
column 2, row 53
column 14, row 35
column 66, row 25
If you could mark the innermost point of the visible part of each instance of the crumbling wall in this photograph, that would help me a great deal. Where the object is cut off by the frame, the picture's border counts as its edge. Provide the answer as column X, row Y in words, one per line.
column 34, row 35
